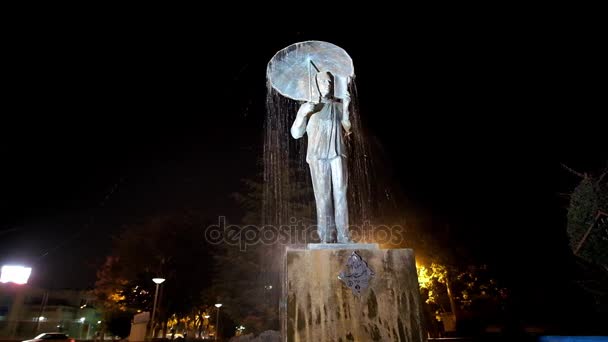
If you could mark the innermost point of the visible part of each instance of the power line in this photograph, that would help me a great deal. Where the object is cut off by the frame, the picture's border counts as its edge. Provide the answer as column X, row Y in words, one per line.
column 86, row 226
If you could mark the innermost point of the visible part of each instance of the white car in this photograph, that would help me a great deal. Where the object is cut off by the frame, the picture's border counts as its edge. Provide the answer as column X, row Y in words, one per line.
column 54, row 336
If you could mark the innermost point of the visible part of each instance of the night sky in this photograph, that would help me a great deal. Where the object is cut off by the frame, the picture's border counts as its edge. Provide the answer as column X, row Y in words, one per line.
column 105, row 127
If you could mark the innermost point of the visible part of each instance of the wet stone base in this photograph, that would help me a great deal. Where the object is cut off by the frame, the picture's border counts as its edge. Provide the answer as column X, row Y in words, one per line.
column 317, row 306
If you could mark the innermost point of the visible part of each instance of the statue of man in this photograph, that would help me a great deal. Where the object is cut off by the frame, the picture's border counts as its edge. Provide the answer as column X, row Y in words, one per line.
column 327, row 123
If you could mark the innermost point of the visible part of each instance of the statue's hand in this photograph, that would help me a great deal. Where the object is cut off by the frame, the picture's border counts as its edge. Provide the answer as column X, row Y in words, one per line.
column 347, row 127
column 307, row 109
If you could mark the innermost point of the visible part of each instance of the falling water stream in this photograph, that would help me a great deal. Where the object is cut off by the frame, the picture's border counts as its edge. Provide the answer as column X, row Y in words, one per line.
column 288, row 198
column 288, row 195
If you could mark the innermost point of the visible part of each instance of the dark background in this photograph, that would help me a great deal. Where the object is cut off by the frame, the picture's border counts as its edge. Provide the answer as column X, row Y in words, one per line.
column 104, row 126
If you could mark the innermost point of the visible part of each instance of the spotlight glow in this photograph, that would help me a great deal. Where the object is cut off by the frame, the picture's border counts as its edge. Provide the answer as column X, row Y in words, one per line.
column 15, row 274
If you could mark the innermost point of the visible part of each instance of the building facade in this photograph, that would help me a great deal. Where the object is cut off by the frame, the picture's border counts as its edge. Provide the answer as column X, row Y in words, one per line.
column 26, row 311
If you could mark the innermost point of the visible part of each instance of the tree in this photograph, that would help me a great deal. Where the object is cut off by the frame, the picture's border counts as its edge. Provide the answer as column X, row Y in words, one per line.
column 171, row 247
column 470, row 292
column 248, row 276
column 198, row 322
column 588, row 232
column 587, row 214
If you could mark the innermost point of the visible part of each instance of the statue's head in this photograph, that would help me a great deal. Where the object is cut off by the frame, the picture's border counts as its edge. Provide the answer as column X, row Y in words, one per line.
column 325, row 83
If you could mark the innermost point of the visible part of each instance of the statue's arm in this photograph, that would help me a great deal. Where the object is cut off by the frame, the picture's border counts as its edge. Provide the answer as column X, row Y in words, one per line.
column 299, row 125
column 346, row 114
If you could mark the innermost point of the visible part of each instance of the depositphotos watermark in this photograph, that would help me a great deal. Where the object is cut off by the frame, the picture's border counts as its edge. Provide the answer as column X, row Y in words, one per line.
column 296, row 233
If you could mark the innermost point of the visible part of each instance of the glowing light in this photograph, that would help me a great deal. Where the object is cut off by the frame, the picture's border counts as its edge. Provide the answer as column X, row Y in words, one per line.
column 81, row 320
column 218, row 305
column 424, row 276
column 15, row 274
column 158, row 280
column 117, row 297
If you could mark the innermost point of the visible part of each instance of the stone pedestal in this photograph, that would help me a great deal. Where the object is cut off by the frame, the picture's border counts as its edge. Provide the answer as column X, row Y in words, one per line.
column 320, row 307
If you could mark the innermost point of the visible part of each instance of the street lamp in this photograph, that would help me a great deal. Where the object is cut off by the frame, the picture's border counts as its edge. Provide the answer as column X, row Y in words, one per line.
column 15, row 274
column 81, row 320
column 157, row 281
column 206, row 326
column 217, row 326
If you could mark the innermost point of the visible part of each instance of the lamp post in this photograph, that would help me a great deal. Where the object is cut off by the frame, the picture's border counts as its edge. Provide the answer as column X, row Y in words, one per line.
column 206, row 326
column 17, row 275
column 157, row 281
column 217, row 325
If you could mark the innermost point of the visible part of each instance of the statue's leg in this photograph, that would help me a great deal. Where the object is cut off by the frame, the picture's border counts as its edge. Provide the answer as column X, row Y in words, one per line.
column 339, row 175
column 320, row 172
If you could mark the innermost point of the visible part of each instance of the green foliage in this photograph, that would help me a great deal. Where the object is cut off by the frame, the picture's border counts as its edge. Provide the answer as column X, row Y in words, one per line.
column 588, row 233
column 586, row 201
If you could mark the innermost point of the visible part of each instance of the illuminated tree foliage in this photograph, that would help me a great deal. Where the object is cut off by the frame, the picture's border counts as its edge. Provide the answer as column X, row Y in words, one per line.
column 198, row 322
column 464, row 292
column 432, row 279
